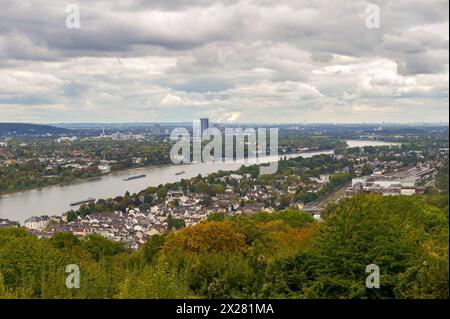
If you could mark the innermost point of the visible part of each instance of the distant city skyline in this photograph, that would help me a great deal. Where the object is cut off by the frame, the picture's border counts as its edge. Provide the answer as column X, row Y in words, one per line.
column 236, row 61
column 234, row 123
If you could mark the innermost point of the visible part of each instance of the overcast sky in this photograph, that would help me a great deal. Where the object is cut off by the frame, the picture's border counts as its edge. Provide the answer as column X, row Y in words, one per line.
column 232, row 61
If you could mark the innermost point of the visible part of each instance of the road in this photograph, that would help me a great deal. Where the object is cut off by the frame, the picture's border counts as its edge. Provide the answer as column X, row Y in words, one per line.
column 333, row 197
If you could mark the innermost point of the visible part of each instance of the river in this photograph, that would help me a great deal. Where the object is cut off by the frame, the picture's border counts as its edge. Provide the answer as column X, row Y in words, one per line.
column 55, row 200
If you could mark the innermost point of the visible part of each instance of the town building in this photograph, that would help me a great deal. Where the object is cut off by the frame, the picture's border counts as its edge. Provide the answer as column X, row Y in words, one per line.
column 37, row 222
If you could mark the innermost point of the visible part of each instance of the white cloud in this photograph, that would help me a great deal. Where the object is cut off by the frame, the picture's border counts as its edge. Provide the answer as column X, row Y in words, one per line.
column 284, row 61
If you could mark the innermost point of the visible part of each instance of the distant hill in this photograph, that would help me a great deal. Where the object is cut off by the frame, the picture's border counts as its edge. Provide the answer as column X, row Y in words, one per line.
column 16, row 129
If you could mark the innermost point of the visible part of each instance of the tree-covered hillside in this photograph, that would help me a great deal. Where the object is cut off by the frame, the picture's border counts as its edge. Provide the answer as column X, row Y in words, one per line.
column 18, row 129
column 267, row 255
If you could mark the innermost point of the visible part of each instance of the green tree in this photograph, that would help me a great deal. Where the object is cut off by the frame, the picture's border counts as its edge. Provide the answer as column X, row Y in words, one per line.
column 152, row 247
column 98, row 246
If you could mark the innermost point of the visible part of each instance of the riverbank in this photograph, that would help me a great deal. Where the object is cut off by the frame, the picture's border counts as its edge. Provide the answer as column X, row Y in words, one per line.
column 79, row 180
column 131, row 169
column 56, row 199
column 25, row 189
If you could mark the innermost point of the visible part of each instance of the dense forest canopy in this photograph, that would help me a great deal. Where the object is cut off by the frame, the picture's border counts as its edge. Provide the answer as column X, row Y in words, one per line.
column 286, row 254
column 29, row 129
